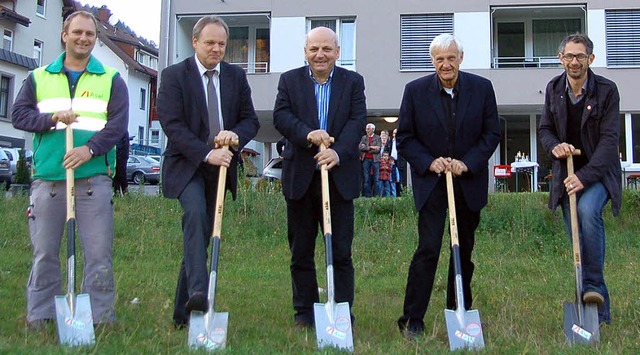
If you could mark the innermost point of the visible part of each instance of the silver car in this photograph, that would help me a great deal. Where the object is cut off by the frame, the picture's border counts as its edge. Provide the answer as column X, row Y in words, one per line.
column 141, row 169
column 273, row 170
column 5, row 169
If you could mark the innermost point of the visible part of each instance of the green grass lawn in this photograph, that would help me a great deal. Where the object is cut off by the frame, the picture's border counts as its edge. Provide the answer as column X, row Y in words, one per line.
column 523, row 275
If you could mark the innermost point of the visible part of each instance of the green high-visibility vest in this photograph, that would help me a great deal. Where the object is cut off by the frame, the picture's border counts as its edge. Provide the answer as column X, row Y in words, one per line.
column 90, row 100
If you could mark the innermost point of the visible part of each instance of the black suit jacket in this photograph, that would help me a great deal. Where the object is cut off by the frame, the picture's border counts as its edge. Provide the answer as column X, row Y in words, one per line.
column 295, row 115
column 423, row 135
column 599, row 132
column 182, row 109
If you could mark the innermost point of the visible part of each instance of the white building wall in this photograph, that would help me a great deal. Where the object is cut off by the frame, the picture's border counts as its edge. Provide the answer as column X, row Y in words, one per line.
column 472, row 29
column 597, row 34
column 287, row 43
column 134, row 82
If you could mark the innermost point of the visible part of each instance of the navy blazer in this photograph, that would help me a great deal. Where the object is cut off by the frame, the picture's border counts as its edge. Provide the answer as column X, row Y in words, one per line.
column 296, row 114
column 182, row 110
column 423, row 135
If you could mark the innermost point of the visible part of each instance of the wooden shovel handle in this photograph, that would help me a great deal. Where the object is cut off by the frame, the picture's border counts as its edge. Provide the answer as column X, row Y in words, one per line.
column 453, row 222
column 222, row 183
column 575, row 230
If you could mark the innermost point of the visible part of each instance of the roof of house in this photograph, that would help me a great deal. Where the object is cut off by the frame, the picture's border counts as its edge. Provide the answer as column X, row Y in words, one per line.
column 121, row 39
column 11, row 15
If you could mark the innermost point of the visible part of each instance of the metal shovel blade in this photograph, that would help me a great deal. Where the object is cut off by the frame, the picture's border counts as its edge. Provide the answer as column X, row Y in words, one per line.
column 333, row 325
column 208, row 331
column 585, row 332
column 75, row 326
column 464, row 329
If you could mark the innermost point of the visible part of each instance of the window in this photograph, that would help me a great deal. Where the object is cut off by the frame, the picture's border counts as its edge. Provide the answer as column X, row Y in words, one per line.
column 7, row 43
column 622, row 144
column 155, row 136
column 529, row 36
column 37, row 51
column 248, row 47
column 345, row 28
column 622, row 30
column 41, row 6
column 143, row 98
column 5, row 86
column 635, row 137
column 416, row 34
column 547, row 35
column 147, row 59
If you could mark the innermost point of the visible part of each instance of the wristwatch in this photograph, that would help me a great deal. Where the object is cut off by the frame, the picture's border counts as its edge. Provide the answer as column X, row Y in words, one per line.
column 91, row 152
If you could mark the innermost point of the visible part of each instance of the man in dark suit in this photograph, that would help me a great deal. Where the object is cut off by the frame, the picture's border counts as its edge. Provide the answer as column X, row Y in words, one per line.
column 314, row 103
column 448, row 122
column 196, row 128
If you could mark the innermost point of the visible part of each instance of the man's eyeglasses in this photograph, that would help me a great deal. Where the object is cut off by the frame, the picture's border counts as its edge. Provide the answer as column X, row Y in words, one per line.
column 581, row 57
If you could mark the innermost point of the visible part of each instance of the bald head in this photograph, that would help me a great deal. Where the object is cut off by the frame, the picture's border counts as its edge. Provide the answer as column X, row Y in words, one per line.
column 321, row 51
column 323, row 32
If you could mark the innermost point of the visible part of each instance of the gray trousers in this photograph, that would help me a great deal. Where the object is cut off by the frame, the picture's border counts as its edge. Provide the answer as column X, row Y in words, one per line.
column 47, row 221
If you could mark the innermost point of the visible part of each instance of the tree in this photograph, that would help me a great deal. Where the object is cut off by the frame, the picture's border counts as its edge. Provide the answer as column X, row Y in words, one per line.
column 23, row 173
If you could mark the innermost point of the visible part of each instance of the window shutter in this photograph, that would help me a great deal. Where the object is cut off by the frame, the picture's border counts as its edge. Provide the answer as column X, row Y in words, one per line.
column 416, row 34
column 623, row 37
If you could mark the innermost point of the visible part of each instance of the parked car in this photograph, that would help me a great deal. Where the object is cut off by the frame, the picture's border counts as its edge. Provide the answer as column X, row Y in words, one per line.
column 155, row 157
column 273, row 169
column 14, row 154
column 141, row 169
column 5, row 169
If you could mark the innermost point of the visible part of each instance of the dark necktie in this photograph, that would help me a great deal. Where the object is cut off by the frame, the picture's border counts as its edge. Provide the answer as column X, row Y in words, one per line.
column 212, row 107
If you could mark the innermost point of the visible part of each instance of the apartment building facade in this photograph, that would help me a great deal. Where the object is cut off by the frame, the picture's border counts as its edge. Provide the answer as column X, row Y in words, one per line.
column 31, row 37
column 513, row 43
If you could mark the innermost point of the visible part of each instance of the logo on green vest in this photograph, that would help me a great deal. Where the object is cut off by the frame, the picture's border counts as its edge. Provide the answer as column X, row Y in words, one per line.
column 90, row 94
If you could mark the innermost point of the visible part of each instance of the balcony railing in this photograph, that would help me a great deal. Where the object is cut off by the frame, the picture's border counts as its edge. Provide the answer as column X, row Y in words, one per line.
column 255, row 67
column 525, row 62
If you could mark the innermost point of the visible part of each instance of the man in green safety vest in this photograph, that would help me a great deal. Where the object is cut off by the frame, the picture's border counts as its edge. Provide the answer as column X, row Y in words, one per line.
column 75, row 89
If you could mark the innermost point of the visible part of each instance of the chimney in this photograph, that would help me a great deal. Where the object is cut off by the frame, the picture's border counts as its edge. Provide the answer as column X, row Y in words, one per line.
column 103, row 14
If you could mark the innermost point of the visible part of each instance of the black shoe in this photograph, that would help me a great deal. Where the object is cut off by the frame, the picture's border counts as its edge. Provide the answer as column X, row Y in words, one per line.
column 180, row 323
column 304, row 320
column 197, row 302
column 410, row 330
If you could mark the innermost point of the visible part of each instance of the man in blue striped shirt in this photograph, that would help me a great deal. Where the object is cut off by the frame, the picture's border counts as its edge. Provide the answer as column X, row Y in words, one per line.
column 316, row 102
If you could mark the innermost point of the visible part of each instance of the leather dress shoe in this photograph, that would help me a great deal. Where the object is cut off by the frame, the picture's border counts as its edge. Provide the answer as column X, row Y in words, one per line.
column 197, row 302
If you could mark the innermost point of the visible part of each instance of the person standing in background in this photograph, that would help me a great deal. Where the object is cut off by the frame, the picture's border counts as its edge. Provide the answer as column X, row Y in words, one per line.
column 370, row 146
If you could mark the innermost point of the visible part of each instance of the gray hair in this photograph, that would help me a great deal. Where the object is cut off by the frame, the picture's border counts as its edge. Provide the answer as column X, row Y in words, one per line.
column 371, row 125
column 443, row 41
column 207, row 20
column 577, row 38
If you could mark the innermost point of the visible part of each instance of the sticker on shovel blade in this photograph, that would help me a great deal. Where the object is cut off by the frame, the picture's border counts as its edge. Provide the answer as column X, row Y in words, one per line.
column 336, row 333
column 472, row 330
column 340, row 328
column 581, row 331
column 465, row 337
column 213, row 341
column 74, row 323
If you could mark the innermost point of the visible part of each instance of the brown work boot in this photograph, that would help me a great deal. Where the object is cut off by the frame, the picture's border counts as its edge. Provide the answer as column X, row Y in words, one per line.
column 593, row 297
